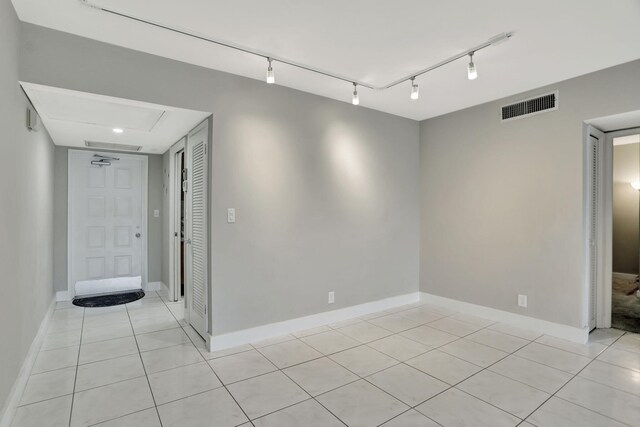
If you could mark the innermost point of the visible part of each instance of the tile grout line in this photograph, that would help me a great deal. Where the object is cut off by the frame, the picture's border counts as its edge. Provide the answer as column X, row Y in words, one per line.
column 367, row 344
column 208, row 364
column 504, row 376
column 560, row 389
column 360, row 378
column 282, row 370
column 364, row 378
column 454, row 386
column 449, row 387
column 144, row 368
column 576, row 375
column 75, row 379
column 483, row 368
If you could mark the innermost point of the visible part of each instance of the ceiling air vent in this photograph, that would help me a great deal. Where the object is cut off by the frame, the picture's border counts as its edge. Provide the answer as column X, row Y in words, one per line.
column 112, row 146
column 531, row 106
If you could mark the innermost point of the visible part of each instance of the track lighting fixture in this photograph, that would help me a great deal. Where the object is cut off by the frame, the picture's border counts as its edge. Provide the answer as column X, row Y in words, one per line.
column 271, row 76
column 355, row 99
column 415, row 90
column 472, row 72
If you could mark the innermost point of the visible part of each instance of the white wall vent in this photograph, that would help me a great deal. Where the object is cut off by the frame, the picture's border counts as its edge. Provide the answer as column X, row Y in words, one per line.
column 530, row 106
column 112, row 146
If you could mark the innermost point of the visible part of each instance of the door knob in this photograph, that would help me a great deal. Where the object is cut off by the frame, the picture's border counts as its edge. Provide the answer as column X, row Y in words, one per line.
column 138, row 235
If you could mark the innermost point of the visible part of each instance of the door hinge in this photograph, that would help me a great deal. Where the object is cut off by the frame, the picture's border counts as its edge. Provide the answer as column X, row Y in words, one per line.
column 205, row 309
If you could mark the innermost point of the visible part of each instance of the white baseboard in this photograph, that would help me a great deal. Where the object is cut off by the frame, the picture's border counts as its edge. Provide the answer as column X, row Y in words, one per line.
column 557, row 330
column 246, row 336
column 626, row 276
column 165, row 288
column 153, row 286
column 62, row 296
column 13, row 399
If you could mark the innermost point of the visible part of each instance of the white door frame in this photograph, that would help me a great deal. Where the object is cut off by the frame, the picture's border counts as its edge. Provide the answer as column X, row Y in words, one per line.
column 604, row 296
column 175, row 185
column 145, row 209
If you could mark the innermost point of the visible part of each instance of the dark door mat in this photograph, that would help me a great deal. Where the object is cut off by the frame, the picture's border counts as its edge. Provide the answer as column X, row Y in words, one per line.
column 109, row 300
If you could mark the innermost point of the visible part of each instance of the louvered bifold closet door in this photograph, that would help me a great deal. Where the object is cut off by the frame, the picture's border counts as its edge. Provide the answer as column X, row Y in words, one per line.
column 197, row 267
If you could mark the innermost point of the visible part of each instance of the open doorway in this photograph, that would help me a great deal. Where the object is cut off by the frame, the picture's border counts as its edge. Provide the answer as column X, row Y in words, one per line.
column 625, row 297
column 177, row 220
column 612, row 202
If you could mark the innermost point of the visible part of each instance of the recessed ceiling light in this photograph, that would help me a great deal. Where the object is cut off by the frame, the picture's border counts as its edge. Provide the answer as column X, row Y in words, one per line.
column 118, row 130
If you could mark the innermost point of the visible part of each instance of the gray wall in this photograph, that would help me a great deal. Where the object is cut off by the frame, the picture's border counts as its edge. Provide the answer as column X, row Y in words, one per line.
column 502, row 203
column 154, row 196
column 626, row 209
column 26, row 212
column 326, row 193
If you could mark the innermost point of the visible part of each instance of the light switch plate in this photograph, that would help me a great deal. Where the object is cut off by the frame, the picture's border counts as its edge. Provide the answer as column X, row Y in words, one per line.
column 522, row 300
column 231, row 215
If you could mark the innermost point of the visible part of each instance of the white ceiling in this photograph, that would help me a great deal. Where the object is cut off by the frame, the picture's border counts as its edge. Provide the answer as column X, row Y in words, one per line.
column 71, row 118
column 373, row 41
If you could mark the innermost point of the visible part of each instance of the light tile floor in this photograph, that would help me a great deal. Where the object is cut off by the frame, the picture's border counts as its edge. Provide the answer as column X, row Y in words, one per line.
column 417, row 365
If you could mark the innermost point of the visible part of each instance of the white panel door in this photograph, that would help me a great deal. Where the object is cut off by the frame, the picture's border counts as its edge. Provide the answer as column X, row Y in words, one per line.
column 106, row 205
column 197, row 229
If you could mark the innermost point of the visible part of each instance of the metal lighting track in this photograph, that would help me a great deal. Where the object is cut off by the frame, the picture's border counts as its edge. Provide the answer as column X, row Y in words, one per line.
column 491, row 42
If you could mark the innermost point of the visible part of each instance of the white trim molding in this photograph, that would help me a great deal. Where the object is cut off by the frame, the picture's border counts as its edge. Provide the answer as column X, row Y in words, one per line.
column 165, row 288
column 570, row 333
column 246, row 336
column 15, row 394
column 154, row 286
column 63, row 296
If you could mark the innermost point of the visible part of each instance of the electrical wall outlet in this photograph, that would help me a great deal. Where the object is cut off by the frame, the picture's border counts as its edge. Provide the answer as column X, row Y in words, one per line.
column 332, row 297
column 156, row 213
column 522, row 300
column 231, row 215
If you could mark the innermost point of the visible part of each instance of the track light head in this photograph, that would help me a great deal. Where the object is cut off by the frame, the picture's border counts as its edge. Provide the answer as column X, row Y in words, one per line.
column 472, row 72
column 355, row 99
column 415, row 90
column 271, row 76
